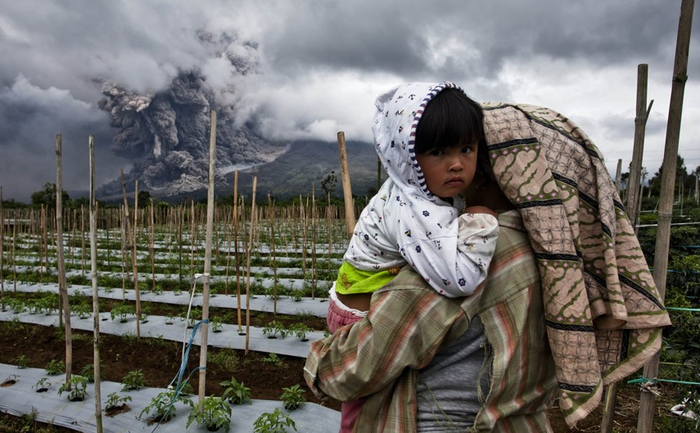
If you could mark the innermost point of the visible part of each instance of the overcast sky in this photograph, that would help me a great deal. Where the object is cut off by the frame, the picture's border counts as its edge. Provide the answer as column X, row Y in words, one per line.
column 321, row 63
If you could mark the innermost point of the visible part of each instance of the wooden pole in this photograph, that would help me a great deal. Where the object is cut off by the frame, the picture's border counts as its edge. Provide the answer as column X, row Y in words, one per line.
column 43, row 249
column 633, row 200
column 303, row 210
column 647, row 400
column 152, row 248
column 235, row 250
column 82, row 240
column 313, row 240
column 207, row 261
column 273, row 252
column 618, row 176
column 2, row 254
column 347, row 188
column 62, row 285
column 249, row 252
column 134, row 259
column 640, row 121
column 126, row 234
column 330, row 231
column 95, row 294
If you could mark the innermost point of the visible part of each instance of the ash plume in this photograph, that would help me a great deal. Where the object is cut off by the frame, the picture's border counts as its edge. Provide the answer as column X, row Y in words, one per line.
column 166, row 133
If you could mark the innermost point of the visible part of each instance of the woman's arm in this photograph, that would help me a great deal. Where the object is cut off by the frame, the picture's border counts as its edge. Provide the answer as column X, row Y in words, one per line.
column 407, row 323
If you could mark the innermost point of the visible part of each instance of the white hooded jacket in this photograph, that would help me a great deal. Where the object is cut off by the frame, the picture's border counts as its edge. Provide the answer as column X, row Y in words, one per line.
column 404, row 222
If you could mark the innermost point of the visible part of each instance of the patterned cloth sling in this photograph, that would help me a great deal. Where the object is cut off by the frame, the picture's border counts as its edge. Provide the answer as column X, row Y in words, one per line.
column 602, row 309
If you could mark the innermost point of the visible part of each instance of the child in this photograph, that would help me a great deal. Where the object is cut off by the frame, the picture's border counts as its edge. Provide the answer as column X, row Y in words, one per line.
column 427, row 137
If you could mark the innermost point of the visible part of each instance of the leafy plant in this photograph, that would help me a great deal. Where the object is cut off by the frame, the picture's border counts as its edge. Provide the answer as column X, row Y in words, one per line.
column 47, row 303
column 88, row 372
column 300, row 330
column 82, row 310
column 296, row 295
column 273, row 359
column 17, row 305
column 10, row 380
column 225, row 358
column 236, row 392
column 22, row 361
column 163, row 405
column 273, row 328
column 114, row 401
column 293, row 397
column 133, row 380
column 76, row 387
column 42, row 385
column 55, row 367
column 123, row 312
column 212, row 412
column 216, row 324
column 275, row 422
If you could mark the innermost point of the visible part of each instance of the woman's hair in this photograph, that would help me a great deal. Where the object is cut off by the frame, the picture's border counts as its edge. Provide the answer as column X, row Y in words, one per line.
column 451, row 119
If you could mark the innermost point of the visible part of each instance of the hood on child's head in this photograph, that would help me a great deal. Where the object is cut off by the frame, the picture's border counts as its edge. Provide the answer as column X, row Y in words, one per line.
column 398, row 112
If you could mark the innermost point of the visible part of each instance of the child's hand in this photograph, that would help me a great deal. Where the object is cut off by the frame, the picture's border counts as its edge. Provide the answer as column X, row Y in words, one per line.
column 479, row 209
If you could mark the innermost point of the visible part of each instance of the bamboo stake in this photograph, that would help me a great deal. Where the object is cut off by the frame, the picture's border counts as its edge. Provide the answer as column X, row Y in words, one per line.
column 71, row 245
column 330, row 231
column 95, row 294
column 347, row 188
column 647, row 400
column 229, row 233
column 313, row 240
column 249, row 252
column 134, row 259
column 180, row 228
column 235, row 243
column 274, row 257
column 14, row 257
column 152, row 247
column 618, row 176
column 633, row 195
column 62, row 285
column 207, row 262
column 127, row 235
column 303, row 219
column 82, row 240
column 2, row 254
column 43, row 247
column 640, row 121
column 123, row 223
column 192, row 238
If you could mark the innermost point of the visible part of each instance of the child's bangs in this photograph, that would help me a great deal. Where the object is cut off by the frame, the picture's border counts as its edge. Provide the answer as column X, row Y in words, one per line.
column 450, row 119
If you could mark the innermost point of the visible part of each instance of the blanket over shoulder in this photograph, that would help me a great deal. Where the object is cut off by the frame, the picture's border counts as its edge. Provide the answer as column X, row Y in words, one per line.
column 603, row 312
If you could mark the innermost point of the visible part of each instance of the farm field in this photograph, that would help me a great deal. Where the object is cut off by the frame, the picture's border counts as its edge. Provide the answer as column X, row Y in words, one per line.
column 281, row 261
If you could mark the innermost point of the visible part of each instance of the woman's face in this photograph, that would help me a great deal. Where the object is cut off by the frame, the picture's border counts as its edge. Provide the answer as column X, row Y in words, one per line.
column 449, row 171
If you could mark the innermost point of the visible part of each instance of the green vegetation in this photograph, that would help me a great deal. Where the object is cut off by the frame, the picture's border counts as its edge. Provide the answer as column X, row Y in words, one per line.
column 213, row 412
column 293, row 397
column 236, row 392
column 133, row 380
column 275, row 422
column 76, row 387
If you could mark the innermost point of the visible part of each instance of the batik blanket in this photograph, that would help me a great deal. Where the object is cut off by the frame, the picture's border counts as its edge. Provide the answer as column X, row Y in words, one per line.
column 603, row 312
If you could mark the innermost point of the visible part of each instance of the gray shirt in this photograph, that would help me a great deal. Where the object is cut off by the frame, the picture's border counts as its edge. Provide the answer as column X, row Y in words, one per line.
column 448, row 392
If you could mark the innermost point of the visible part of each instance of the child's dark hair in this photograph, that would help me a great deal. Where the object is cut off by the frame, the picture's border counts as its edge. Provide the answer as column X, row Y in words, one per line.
column 451, row 119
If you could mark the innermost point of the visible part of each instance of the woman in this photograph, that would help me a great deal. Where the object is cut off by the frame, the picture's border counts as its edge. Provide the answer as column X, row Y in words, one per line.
column 565, row 254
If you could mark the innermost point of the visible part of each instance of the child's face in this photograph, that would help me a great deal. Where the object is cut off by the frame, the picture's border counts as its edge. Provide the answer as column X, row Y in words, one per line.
column 449, row 171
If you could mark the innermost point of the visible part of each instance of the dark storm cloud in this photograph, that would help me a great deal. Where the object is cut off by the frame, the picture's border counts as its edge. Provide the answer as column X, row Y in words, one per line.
column 397, row 38
column 31, row 118
column 305, row 69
